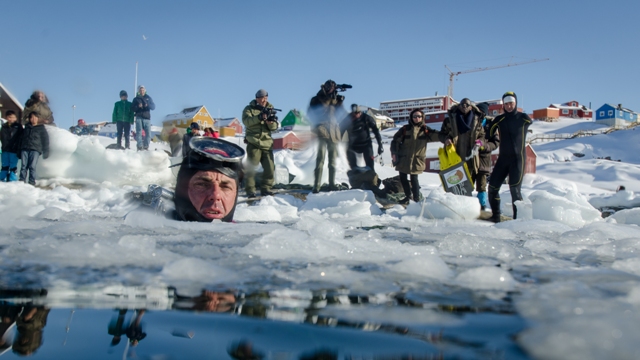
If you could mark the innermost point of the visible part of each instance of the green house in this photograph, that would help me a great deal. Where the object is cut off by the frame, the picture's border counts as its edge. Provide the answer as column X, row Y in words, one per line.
column 294, row 119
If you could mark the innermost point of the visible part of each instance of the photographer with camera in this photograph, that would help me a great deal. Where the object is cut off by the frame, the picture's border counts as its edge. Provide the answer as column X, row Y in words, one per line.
column 259, row 119
column 322, row 111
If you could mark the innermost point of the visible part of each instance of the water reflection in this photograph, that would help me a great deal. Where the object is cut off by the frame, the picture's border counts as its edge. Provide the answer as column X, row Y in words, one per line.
column 136, row 316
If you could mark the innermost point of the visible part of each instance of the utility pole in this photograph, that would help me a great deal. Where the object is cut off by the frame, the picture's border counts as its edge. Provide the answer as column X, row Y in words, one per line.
column 453, row 74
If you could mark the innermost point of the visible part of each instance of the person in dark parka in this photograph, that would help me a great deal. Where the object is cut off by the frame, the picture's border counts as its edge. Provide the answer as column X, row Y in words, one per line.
column 408, row 153
column 512, row 127
column 463, row 128
column 359, row 127
column 35, row 141
column 11, row 136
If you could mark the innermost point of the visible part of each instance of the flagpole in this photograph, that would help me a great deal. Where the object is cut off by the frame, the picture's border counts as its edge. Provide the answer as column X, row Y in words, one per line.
column 135, row 84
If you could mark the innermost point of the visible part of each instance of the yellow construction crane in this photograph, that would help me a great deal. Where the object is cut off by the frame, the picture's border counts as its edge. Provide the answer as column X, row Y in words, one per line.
column 453, row 74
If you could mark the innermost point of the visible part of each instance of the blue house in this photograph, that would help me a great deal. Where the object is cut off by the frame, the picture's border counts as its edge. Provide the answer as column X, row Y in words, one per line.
column 615, row 116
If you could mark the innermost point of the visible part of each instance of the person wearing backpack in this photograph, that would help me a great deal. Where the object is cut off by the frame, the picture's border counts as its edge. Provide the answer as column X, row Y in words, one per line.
column 408, row 153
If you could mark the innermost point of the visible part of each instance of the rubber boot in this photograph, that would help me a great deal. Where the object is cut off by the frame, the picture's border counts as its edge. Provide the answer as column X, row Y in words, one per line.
column 13, row 174
column 482, row 198
column 494, row 202
column 516, row 195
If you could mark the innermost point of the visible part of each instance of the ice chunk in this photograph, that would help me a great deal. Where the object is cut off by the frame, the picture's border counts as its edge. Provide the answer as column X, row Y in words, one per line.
column 441, row 205
column 486, row 278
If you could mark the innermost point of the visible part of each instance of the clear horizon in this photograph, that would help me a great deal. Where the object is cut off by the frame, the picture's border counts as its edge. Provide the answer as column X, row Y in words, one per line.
column 219, row 54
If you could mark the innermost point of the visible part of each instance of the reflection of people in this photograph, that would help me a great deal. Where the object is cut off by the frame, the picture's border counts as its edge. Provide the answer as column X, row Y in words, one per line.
column 208, row 180
column 243, row 350
column 8, row 316
column 39, row 103
column 117, row 327
column 10, row 135
column 30, row 325
column 408, row 152
column 258, row 127
column 463, row 128
column 134, row 331
column 512, row 128
column 35, row 141
column 142, row 105
column 322, row 110
column 359, row 126
column 214, row 301
column 123, row 117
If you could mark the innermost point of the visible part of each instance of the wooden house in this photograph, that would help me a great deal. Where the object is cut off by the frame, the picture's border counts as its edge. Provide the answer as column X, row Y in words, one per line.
column 231, row 123
column 295, row 120
column 9, row 102
column 615, row 116
column 183, row 119
column 286, row 140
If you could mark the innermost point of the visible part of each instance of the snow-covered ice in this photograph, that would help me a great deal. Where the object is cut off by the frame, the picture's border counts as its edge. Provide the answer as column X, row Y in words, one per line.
column 571, row 274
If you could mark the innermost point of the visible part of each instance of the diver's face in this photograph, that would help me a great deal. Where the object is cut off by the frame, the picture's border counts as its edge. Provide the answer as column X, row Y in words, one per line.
column 212, row 194
column 509, row 107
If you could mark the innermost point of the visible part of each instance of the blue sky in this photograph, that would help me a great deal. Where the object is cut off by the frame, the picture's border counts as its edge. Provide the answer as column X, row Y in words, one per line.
column 219, row 53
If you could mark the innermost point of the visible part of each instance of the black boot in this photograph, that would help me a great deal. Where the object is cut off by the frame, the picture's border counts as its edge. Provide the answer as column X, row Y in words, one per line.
column 494, row 202
column 515, row 196
column 415, row 188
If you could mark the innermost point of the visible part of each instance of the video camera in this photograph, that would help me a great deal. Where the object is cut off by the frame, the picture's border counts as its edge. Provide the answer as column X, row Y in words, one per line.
column 340, row 87
column 343, row 87
column 269, row 114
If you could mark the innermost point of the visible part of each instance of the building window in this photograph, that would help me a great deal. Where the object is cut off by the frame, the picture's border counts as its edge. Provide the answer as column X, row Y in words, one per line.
column 574, row 104
column 427, row 117
column 601, row 113
column 565, row 111
column 610, row 113
column 494, row 112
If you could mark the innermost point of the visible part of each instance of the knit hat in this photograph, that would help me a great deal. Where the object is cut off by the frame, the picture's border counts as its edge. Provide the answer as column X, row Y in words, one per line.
column 123, row 93
column 484, row 107
column 142, row 87
column 195, row 126
column 261, row 93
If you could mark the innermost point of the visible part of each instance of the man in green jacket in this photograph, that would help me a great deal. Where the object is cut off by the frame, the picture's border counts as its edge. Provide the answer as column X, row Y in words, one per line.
column 258, row 127
column 123, row 117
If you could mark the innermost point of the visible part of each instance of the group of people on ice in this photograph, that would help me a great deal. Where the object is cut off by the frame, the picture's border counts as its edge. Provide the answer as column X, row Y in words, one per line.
column 211, row 172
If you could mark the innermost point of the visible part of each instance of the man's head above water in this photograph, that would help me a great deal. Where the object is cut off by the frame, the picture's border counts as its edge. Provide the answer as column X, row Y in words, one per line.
column 208, row 181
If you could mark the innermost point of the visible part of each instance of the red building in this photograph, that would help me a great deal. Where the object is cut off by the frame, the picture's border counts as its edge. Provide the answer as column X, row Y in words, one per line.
column 286, row 140
column 573, row 109
column 233, row 123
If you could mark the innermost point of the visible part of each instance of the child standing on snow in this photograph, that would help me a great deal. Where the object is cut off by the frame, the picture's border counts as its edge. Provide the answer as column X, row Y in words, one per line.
column 11, row 134
column 35, row 141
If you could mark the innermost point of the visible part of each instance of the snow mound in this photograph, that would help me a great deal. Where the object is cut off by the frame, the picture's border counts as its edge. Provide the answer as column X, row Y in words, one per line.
column 442, row 205
column 86, row 157
column 343, row 203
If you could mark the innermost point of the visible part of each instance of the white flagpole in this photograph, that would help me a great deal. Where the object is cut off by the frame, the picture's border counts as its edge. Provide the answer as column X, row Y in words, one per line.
column 135, row 84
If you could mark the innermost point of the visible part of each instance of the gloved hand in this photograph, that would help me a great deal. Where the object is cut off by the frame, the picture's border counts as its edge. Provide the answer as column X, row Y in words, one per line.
column 380, row 149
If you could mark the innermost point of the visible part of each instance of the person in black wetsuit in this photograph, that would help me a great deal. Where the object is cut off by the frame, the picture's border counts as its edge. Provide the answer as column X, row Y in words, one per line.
column 511, row 127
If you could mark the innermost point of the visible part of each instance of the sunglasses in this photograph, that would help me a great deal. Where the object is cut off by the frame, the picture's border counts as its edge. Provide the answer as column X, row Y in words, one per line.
column 417, row 116
column 216, row 149
column 465, row 105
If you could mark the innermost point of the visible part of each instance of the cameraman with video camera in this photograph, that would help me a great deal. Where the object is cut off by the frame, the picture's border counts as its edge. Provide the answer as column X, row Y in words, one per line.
column 259, row 119
column 322, row 111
